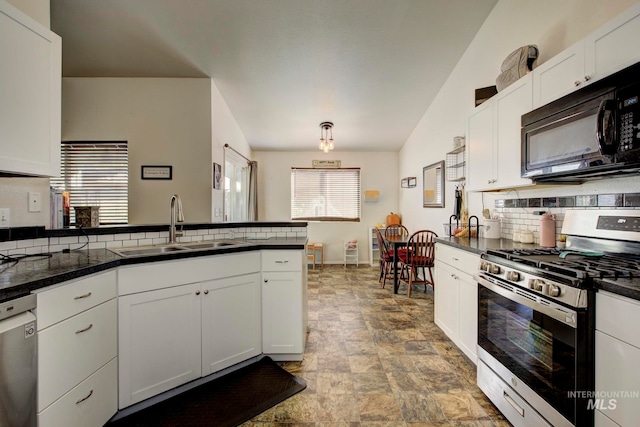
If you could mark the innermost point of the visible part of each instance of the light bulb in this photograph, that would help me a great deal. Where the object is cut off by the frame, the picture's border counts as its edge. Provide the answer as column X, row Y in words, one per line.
column 321, row 145
column 331, row 144
column 326, row 148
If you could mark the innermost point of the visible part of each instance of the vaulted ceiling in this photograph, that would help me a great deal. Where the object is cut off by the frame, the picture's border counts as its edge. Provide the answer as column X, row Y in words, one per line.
column 283, row 66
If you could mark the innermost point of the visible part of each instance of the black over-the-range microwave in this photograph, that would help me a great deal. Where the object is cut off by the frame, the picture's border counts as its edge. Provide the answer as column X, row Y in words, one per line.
column 588, row 134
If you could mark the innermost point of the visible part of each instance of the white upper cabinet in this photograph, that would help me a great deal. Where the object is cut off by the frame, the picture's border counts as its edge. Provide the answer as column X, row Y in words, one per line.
column 613, row 46
column 559, row 76
column 30, row 84
column 493, row 139
column 603, row 52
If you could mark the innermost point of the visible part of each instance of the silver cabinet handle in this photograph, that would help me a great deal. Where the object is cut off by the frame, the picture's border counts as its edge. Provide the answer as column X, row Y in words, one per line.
column 577, row 83
column 206, row 291
column 587, row 78
column 282, row 262
column 85, row 398
column 513, row 403
column 79, row 331
column 455, row 259
column 197, row 292
column 87, row 295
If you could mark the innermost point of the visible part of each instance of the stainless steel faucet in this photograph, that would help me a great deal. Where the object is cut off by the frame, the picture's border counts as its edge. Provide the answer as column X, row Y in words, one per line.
column 176, row 210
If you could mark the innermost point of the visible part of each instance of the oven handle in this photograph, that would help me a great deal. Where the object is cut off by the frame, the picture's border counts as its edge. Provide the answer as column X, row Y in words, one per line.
column 561, row 314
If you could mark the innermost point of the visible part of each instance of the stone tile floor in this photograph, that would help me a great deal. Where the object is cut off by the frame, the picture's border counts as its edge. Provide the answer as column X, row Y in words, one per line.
column 377, row 359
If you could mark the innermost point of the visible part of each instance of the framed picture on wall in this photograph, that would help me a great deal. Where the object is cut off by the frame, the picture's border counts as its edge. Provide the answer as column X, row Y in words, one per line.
column 217, row 176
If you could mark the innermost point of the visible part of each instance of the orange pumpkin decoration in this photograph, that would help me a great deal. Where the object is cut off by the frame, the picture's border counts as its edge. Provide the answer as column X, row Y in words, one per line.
column 393, row 219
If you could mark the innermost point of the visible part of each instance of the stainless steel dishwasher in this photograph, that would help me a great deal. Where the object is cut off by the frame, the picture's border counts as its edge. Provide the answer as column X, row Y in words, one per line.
column 18, row 362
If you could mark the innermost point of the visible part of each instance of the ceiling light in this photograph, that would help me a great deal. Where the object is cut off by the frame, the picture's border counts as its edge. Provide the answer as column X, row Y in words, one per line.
column 326, row 137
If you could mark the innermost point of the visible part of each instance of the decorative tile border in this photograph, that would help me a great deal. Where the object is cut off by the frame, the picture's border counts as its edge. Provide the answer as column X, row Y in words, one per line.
column 515, row 217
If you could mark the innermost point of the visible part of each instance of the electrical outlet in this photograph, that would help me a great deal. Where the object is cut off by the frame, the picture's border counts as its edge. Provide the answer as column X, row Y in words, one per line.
column 4, row 217
column 35, row 202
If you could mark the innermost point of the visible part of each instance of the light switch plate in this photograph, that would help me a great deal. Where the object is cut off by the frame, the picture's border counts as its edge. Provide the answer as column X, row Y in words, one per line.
column 4, row 217
column 35, row 202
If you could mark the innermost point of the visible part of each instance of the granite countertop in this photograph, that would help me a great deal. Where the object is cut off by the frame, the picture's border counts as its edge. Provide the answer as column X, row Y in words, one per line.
column 35, row 272
column 629, row 288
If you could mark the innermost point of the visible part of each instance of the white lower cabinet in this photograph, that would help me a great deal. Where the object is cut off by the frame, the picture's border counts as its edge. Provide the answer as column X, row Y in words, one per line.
column 617, row 361
column 170, row 336
column 231, row 324
column 284, row 309
column 456, row 297
column 159, row 336
column 77, row 349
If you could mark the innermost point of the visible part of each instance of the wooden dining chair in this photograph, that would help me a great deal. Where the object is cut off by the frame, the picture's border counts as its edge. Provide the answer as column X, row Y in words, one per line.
column 419, row 257
column 385, row 259
column 396, row 230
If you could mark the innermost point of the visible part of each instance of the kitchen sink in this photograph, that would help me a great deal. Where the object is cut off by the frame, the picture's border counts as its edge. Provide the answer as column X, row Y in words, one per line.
column 170, row 248
column 148, row 250
column 208, row 245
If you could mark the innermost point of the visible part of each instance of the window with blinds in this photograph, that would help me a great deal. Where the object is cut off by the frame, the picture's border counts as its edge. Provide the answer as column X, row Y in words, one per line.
column 325, row 194
column 96, row 174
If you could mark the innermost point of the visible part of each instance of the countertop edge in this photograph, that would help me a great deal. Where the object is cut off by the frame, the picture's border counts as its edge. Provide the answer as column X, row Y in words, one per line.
column 28, row 286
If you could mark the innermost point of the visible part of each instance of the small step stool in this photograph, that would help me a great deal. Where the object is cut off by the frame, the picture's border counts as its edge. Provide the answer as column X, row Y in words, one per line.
column 350, row 252
column 311, row 253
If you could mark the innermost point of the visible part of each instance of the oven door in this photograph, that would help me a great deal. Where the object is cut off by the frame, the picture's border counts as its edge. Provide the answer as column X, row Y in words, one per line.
column 536, row 340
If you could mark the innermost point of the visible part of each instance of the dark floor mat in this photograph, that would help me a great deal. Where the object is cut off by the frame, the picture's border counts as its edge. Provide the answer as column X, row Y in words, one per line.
column 226, row 401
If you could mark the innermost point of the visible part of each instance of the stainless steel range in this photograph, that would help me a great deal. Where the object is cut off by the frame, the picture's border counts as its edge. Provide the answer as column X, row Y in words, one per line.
column 536, row 317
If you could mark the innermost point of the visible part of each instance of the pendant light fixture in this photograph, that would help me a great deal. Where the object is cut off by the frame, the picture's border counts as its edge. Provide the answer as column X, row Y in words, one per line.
column 326, row 137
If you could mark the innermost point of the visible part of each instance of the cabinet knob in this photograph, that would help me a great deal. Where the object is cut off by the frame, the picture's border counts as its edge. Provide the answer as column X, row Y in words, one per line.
column 206, row 291
column 197, row 292
column 266, row 280
column 577, row 83
column 587, row 78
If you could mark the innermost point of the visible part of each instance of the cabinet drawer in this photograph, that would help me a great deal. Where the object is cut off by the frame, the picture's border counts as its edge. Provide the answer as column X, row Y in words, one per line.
column 274, row 260
column 89, row 404
column 618, row 316
column 165, row 274
column 70, row 298
column 464, row 261
column 70, row 351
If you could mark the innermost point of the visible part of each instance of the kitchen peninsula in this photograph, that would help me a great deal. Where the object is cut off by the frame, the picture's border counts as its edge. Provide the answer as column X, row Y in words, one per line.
column 173, row 308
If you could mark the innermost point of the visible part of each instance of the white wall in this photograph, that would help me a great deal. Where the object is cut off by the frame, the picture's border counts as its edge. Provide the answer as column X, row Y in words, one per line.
column 379, row 171
column 552, row 25
column 224, row 130
column 165, row 121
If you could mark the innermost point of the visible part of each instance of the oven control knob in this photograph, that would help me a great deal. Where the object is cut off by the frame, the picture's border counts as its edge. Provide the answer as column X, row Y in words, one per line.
column 514, row 276
column 538, row 285
column 484, row 265
column 554, row 291
column 495, row 269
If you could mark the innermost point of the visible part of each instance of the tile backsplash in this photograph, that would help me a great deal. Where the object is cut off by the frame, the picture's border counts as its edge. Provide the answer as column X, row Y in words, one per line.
column 109, row 241
column 524, row 214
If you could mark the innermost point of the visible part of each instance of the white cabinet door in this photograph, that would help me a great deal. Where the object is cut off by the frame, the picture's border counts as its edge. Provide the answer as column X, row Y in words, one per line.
column 468, row 336
column 481, row 157
column 510, row 105
column 283, row 328
column 617, row 371
column 610, row 48
column 231, row 321
column 30, row 84
column 159, row 341
column 559, row 76
column 447, row 300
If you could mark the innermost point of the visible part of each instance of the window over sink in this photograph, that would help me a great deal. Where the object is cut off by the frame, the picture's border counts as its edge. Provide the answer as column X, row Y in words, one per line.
column 96, row 173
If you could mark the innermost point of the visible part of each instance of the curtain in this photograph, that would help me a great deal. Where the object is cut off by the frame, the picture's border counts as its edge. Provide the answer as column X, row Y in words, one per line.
column 252, row 193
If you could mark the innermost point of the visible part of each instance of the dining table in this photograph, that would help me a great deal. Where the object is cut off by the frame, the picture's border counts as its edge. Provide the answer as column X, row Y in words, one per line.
column 396, row 241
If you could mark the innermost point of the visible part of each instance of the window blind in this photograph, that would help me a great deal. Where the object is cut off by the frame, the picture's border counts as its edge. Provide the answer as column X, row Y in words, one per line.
column 96, row 174
column 325, row 194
